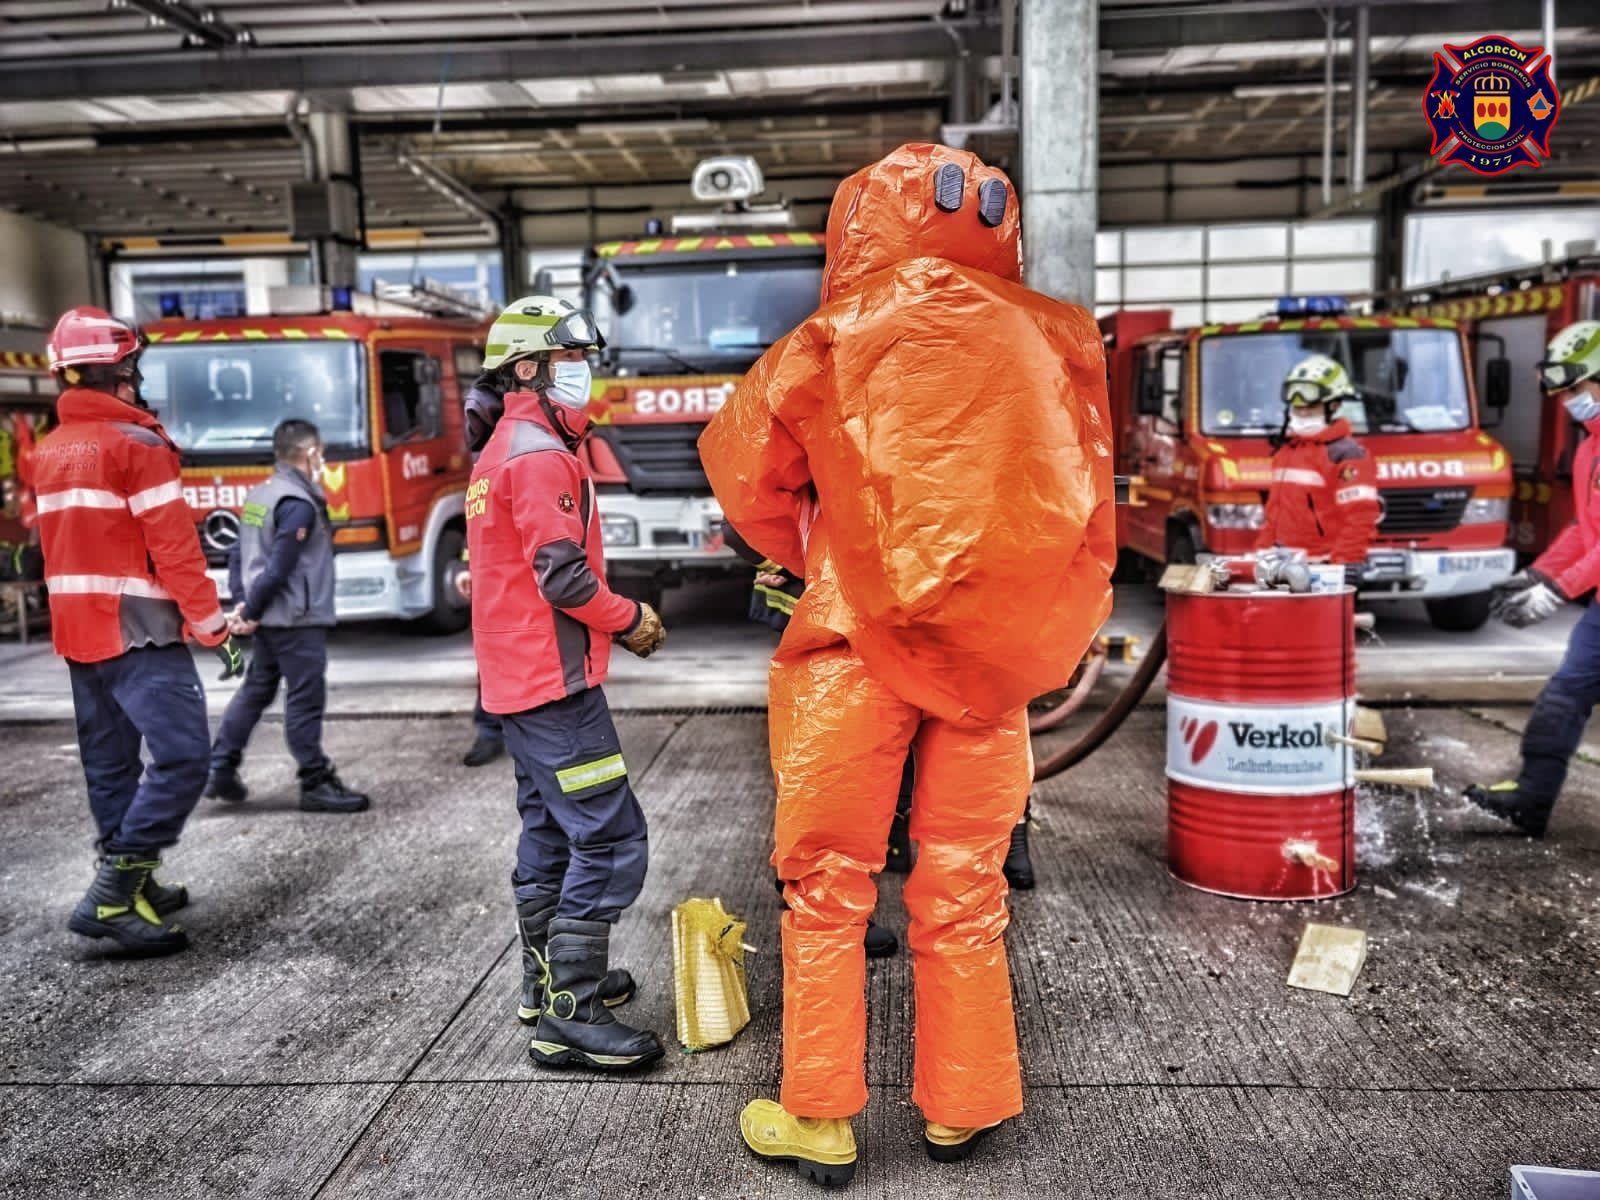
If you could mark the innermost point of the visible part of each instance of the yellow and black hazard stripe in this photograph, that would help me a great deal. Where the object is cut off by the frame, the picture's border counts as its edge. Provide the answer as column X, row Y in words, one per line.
column 1527, row 300
column 22, row 360
column 185, row 336
column 709, row 242
column 1315, row 323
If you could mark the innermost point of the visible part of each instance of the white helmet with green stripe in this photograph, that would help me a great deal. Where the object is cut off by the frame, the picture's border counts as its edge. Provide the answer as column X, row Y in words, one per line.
column 1572, row 356
column 538, row 325
column 1316, row 379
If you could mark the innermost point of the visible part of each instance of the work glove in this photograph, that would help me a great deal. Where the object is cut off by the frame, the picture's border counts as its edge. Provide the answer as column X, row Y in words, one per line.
column 648, row 635
column 1525, row 599
column 232, row 659
column 1507, row 590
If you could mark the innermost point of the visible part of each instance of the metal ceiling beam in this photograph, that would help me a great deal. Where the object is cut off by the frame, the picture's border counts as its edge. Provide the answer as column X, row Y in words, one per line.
column 1132, row 29
column 203, row 28
column 379, row 65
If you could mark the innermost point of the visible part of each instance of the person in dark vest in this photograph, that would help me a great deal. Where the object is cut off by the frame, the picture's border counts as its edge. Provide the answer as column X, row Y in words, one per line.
column 281, row 578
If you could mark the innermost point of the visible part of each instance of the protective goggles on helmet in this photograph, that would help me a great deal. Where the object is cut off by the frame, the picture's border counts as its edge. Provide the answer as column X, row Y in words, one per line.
column 1301, row 393
column 1558, row 376
column 575, row 331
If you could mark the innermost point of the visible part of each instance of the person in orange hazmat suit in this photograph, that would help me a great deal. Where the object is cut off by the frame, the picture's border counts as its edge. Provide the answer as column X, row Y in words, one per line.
column 931, row 451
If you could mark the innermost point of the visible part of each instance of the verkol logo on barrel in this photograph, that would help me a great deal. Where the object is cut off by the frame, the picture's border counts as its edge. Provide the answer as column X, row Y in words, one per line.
column 1198, row 736
column 1278, row 749
column 1491, row 106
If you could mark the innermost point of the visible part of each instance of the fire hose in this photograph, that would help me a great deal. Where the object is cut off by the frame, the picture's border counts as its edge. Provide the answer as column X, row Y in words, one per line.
column 1110, row 720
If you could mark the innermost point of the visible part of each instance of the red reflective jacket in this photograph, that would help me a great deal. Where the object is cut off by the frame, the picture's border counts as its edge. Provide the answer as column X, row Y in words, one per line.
column 1573, row 559
column 539, row 594
column 122, row 560
column 1324, row 497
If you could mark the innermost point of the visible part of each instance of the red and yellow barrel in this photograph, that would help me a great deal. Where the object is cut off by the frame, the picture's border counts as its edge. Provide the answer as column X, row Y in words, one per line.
column 1260, row 805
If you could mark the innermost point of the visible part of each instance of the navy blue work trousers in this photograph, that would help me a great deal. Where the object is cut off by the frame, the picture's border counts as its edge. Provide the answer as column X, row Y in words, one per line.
column 298, row 658
column 150, row 697
column 583, row 832
column 1556, row 724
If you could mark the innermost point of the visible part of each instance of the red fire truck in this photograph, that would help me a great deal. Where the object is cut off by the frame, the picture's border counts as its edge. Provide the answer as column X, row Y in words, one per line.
column 686, row 315
column 385, row 391
column 1196, row 410
column 27, row 398
column 1513, row 315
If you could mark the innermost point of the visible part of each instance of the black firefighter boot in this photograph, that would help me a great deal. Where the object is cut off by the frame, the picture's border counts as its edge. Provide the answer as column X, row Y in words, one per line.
column 897, row 857
column 116, row 907
column 1018, row 868
column 224, row 784
column 321, row 790
column 533, row 928
column 165, row 898
column 1510, row 803
column 576, row 1028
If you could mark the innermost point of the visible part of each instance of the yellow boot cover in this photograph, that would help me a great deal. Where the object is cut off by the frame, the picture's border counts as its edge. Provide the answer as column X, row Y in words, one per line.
column 952, row 1143
column 824, row 1147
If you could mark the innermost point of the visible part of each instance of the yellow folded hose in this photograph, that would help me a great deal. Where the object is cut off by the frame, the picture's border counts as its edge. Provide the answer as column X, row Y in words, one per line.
column 708, row 950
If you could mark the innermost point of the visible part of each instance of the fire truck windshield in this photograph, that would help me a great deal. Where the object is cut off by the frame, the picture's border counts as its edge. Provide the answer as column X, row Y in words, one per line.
column 1406, row 380
column 223, row 399
column 718, row 316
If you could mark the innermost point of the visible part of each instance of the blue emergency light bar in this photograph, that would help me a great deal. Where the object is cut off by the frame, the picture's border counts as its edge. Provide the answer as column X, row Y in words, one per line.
column 340, row 299
column 171, row 304
column 1312, row 306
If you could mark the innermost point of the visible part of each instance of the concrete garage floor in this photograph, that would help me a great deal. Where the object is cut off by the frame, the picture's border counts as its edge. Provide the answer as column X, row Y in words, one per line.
column 344, row 1026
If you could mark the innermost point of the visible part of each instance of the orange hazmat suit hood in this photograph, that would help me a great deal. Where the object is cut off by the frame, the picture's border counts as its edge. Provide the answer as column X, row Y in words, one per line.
column 932, row 448
column 902, row 206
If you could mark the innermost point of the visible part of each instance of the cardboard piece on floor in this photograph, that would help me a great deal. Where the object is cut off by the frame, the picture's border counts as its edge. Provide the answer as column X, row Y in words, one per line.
column 1329, row 959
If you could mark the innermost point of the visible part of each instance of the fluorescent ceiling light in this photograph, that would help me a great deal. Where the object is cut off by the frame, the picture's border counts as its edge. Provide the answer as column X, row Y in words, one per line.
column 47, row 145
column 1272, row 91
column 604, row 128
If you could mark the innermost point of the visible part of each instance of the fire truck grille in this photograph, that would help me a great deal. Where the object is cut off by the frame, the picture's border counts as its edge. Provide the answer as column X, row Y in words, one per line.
column 659, row 458
column 1422, row 510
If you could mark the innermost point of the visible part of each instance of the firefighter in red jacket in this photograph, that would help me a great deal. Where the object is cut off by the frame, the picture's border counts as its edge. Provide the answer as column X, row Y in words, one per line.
column 543, row 621
column 1570, row 373
column 128, row 587
column 1324, row 497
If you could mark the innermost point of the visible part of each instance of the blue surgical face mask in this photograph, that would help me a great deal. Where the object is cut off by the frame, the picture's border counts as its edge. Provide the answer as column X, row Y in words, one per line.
column 1583, row 406
column 569, row 384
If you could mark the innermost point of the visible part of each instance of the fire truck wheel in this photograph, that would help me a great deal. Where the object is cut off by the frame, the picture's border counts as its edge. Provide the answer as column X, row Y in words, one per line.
column 1459, row 614
column 450, row 613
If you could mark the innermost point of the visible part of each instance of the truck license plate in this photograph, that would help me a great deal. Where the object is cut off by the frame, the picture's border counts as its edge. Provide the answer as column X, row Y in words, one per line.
column 1458, row 564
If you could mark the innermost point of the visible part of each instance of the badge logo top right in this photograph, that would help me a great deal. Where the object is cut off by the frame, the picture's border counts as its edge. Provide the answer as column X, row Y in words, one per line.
column 1492, row 106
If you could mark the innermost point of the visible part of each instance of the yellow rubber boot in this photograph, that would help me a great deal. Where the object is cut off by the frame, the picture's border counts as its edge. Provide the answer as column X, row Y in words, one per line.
column 824, row 1148
column 953, row 1143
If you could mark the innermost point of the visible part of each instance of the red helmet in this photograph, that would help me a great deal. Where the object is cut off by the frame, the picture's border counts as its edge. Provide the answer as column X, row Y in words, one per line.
column 86, row 337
